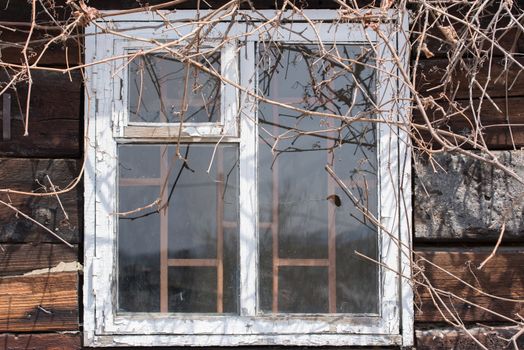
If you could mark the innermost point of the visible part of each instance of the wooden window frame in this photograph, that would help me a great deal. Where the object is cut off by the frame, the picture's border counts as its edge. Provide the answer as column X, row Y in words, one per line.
column 106, row 127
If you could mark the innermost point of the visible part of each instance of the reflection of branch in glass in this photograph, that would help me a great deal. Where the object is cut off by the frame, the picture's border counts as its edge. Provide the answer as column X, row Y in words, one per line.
column 197, row 101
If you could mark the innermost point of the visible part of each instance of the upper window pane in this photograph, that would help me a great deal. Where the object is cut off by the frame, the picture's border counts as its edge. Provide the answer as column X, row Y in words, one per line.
column 164, row 90
column 308, row 228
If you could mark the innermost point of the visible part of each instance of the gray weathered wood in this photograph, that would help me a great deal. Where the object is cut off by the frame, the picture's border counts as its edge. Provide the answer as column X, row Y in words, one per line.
column 459, row 198
column 449, row 338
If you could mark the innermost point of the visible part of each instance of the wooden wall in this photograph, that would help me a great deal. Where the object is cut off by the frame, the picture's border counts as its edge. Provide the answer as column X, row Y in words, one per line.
column 41, row 309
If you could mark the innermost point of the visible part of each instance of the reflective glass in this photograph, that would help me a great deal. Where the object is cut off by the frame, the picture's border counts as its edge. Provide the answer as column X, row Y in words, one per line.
column 181, row 218
column 309, row 229
column 164, row 90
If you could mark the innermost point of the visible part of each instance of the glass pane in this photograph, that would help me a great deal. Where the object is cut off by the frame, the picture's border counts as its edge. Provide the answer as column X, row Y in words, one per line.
column 178, row 229
column 165, row 90
column 308, row 228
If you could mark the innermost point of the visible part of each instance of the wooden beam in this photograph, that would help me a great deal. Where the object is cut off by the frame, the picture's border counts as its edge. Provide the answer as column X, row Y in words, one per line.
column 436, row 42
column 55, row 126
column 60, row 54
column 40, row 302
column 456, row 339
column 30, row 175
column 164, row 231
column 17, row 259
column 495, row 130
column 192, row 262
column 41, row 341
column 502, row 83
column 303, row 262
column 502, row 276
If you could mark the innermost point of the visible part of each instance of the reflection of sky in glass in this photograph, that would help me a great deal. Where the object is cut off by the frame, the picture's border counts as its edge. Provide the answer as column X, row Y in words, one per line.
column 158, row 84
column 294, row 185
column 200, row 204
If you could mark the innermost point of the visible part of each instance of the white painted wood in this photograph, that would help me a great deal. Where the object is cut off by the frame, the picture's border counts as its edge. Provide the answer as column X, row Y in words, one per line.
column 188, row 16
column 388, row 191
column 246, row 340
column 89, row 186
column 227, row 126
column 106, row 126
column 406, row 224
column 248, row 188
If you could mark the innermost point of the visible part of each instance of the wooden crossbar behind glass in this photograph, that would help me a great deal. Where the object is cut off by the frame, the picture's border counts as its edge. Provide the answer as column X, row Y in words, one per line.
column 166, row 187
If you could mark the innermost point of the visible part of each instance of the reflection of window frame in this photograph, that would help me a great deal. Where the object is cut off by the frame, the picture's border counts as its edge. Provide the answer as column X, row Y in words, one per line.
column 106, row 126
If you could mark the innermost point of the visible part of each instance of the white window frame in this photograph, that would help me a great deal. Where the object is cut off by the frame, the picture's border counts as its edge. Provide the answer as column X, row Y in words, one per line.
column 106, row 126
column 226, row 126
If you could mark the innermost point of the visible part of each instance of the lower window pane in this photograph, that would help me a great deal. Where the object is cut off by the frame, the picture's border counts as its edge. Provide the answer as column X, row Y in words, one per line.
column 178, row 229
column 309, row 229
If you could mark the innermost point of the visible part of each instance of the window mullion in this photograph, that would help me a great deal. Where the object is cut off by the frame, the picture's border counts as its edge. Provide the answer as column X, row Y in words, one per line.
column 248, row 189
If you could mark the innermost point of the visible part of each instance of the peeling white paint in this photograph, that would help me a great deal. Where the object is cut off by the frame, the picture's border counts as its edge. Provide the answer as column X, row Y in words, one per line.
column 61, row 267
column 104, row 327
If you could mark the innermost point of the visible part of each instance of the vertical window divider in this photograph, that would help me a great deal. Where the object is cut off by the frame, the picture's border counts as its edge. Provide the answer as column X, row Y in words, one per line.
column 248, row 189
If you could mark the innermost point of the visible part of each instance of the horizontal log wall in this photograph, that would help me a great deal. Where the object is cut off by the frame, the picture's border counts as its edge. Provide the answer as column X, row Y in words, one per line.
column 39, row 301
column 40, row 284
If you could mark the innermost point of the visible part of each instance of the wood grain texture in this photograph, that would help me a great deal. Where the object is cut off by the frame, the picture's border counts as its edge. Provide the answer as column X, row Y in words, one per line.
column 43, row 302
column 55, row 125
column 40, row 341
column 30, row 175
column 502, row 276
column 449, row 338
column 17, row 259
column 498, row 81
column 459, row 118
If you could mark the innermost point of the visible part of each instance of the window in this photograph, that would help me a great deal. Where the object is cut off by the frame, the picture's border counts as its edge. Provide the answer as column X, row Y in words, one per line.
column 233, row 170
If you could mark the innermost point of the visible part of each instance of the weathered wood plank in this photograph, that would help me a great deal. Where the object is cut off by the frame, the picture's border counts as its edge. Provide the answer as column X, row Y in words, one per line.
column 495, row 124
column 502, row 82
column 55, row 126
column 13, row 41
column 502, row 276
column 32, row 175
column 17, row 259
column 458, row 198
column 435, row 39
column 40, row 341
column 17, row 12
column 449, row 338
column 42, row 302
